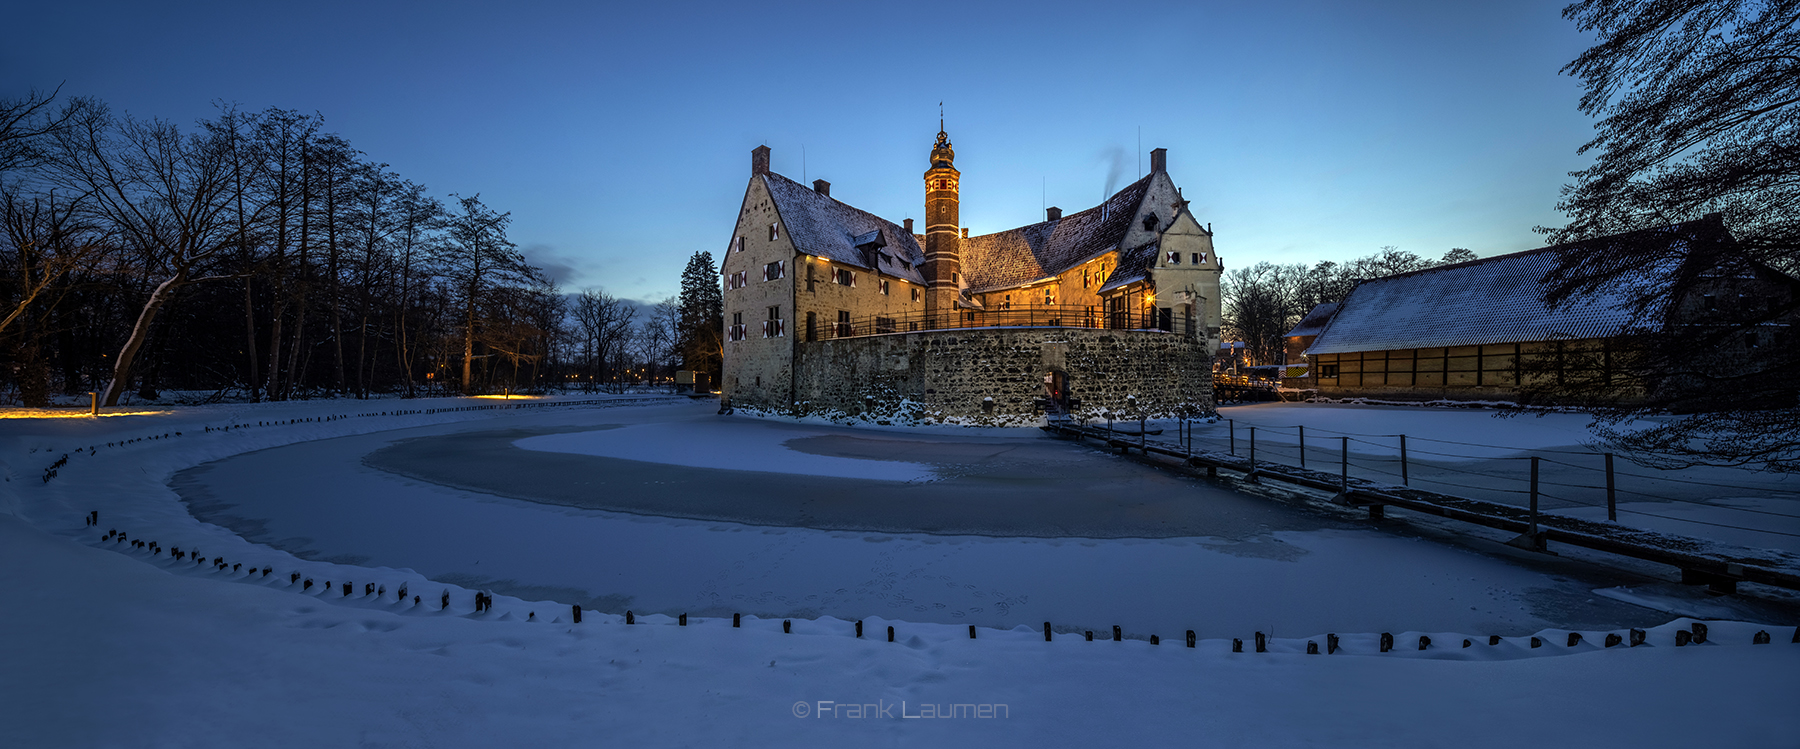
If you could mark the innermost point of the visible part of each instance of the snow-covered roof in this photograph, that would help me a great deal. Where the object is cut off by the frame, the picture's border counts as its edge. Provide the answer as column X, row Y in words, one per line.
column 1019, row 256
column 1487, row 301
column 825, row 227
column 1315, row 321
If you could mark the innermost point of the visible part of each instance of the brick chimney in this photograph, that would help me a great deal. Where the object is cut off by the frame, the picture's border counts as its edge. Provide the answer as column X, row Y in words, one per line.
column 1159, row 160
column 1053, row 213
column 822, row 187
column 909, row 226
column 759, row 160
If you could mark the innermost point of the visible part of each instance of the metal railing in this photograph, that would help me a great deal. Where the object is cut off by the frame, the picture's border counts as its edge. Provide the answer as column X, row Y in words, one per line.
column 820, row 328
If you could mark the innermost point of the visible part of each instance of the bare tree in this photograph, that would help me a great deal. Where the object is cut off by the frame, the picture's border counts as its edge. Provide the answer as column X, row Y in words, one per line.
column 166, row 194
column 476, row 257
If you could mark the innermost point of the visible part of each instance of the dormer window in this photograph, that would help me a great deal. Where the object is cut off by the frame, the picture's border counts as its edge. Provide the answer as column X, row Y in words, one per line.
column 1150, row 222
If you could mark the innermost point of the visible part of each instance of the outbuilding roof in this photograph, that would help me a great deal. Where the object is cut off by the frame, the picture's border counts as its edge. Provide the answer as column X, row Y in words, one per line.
column 1487, row 301
column 825, row 227
column 1315, row 321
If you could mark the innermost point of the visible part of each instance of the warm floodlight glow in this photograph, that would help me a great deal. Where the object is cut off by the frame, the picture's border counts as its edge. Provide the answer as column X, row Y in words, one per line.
column 514, row 396
column 57, row 413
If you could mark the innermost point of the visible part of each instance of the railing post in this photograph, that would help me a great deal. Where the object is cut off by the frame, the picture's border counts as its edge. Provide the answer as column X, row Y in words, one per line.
column 1252, row 449
column 1344, row 467
column 1232, row 425
column 1534, row 495
column 1302, row 445
column 1404, row 479
column 1612, row 504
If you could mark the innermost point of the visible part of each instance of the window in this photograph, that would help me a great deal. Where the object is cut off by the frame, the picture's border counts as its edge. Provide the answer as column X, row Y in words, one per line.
column 1199, row 257
column 772, row 327
column 884, row 287
column 1174, row 258
column 1049, row 297
column 956, row 278
column 1006, row 301
column 1085, row 282
column 737, row 326
column 1196, row 258
column 843, row 323
column 915, row 295
column 843, row 277
column 777, row 269
column 774, row 232
column 1328, row 370
column 737, row 244
column 739, row 280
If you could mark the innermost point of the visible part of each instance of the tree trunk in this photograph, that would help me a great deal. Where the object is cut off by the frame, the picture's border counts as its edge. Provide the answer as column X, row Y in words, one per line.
column 139, row 332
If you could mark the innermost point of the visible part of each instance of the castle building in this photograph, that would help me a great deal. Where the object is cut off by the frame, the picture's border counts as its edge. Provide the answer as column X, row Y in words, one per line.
column 832, row 310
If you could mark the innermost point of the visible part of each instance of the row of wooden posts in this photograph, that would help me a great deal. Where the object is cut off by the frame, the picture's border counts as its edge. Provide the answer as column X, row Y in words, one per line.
column 1696, row 634
column 1186, row 433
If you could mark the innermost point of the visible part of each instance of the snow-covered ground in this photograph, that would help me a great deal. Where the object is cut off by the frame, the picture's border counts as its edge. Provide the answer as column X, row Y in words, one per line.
column 105, row 644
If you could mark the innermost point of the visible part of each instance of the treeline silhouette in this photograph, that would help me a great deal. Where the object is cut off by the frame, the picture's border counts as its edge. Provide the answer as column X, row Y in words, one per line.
column 258, row 256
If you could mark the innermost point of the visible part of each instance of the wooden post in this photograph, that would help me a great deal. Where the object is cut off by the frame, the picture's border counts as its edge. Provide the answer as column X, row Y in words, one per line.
column 1090, row 635
column 971, row 631
column 683, row 620
column 1237, row 645
column 1344, row 468
column 1537, row 643
column 1155, row 640
column 1404, row 479
column 1493, row 640
column 1190, row 637
column 1613, row 639
column 1683, row 637
column 1302, row 445
column 1387, row 641
column 1118, row 635
column 859, row 628
column 1760, row 638
column 1331, row 644
column 1262, row 643
column 890, row 634
column 1699, row 633
column 1312, row 648
column 577, row 610
column 630, row 618
column 1046, row 631
column 1574, row 639
column 737, row 621
column 787, row 626
column 1638, row 636
column 1612, row 504
column 1424, row 642
column 1534, row 496
column 1232, row 425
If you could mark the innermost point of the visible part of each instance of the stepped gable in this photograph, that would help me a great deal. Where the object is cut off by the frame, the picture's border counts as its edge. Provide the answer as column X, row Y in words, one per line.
column 825, row 227
column 1030, row 253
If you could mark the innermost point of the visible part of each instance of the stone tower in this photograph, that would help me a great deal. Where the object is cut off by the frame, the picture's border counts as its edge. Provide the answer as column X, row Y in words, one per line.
column 943, row 237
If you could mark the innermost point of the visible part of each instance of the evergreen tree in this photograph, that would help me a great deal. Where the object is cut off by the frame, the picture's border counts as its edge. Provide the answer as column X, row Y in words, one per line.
column 702, row 321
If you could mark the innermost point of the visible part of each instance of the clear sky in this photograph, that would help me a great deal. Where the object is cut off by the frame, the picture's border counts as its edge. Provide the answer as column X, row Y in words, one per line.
column 619, row 135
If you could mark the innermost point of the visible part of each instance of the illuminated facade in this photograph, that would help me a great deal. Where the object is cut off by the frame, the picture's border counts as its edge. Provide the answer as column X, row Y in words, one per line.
column 810, row 282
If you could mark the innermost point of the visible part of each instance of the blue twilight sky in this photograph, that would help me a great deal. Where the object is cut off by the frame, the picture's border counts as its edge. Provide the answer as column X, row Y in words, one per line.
column 619, row 135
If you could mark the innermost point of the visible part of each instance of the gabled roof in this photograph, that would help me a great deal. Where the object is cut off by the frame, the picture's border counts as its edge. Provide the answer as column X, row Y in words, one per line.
column 1315, row 321
column 1487, row 301
column 1134, row 266
column 1029, row 253
column 824, row 227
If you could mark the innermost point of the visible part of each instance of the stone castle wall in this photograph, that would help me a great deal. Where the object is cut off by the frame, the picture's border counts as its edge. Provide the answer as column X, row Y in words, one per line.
column 994, row 376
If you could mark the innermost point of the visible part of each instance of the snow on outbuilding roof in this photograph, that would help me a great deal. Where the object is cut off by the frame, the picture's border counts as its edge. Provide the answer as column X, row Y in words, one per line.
column 1488, row 301
column 1019, row 256
column 825, row 227
column 1315, row 320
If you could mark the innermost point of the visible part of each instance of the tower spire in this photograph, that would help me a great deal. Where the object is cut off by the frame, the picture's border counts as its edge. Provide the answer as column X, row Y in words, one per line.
column 943, row 236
